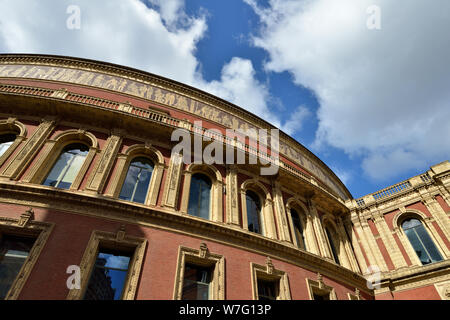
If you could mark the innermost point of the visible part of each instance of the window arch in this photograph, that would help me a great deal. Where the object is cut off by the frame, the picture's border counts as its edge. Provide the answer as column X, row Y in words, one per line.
column 137, row 181
column 334, row 244
column 6, row 140
column 67, row 166
column 200, row 196
column 421, row 241
column 254, row 208
column 12, row 133
column 298, row 228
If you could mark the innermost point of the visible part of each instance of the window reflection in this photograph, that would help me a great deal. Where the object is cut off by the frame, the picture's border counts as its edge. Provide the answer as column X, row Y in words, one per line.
column 332, row 245
column 137, row 181
column 421, row 241
column 6, row 141
column 13, row 253
column 109, row 275
column 67, row 166
column 253, row 212
column 266, row 290
column 298, row 228
column 196, row 282
column 199, row 196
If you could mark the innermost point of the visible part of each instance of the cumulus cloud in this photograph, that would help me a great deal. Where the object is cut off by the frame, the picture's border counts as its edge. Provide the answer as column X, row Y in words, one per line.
column 155, row 35
column 383, row 94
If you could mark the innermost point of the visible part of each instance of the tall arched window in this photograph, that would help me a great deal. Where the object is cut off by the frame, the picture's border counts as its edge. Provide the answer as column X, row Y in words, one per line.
column 332, row 245
column 200, row 196
column 298, row 228
column 421, row 241
column 137, row 181
column 253, row 212
column 67, row 166
column 6, row 140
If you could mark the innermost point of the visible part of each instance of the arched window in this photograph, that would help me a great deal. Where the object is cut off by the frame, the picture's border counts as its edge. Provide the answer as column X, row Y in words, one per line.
column 332, row 245
column 67, row 166
column 6, row 140
column 137, row 180
column 253, row 212
column 298, row 228
column 421, row 241
column 200, row 196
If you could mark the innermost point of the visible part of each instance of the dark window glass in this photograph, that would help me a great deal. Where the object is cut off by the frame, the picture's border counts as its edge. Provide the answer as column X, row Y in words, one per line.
column 199, row 196
column 421, row 241
column 332, row 245
column 13, row 253
column 6, row 141
column 298, row 229
column 321, row 297
column 267, row 290
column 67, row 166
column 109, row 276
column 196, row 282
column 137, row 180
column 253, row 212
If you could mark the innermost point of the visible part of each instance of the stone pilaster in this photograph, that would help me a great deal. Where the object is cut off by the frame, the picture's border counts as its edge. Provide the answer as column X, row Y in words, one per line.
column 103, row 166
column 31, row 146
column 232, row 199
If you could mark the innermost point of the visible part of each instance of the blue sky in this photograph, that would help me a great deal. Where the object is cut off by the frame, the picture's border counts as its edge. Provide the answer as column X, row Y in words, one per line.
column 373, row 104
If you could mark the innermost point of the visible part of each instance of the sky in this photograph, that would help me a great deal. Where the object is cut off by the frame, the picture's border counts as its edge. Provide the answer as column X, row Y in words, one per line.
column 363, row 84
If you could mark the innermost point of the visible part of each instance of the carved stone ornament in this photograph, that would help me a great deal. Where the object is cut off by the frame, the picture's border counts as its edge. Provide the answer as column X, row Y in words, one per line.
column 320, row 281
column 269, row 266
column 203, row 250
column 26, row 217
column 120, row 235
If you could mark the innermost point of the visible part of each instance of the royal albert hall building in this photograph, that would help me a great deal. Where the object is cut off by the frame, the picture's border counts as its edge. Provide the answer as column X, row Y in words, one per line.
column 95, row 205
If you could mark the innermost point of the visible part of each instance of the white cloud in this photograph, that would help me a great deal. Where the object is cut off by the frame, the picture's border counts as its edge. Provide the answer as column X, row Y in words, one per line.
column 383, row 94
column 161, row 39
column 295, row 123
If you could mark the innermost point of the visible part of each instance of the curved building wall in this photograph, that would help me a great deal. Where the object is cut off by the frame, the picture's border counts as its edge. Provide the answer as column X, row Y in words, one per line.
column 313, row 241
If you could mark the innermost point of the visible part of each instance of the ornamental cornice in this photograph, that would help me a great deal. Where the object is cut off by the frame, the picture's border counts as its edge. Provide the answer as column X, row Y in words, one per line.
column 289, row 147
column 112, row 209
column 162, row 120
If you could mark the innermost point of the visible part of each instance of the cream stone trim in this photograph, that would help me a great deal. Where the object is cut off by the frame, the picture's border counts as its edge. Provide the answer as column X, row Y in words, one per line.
column 443, row 288
column 329, row 223
column 11, row 125
column 360, row 260
column 216, row 194
column 308, row 232
column 440, row 216
column 320, row 288
column 346, row 242
column 411, row 213
column 31, row 146
column 280, row 214
column 104, row 164
column 372, row 247
column 388, row 240
column 114, row 240
column 26, row 226
column 232, row 197
column 354, row 296
column 268, row 272
column 324, row 249
column 266, row 215
column 165, row 219
column 123, row 163
column 172, row 184
column 51, row 151
column 201, row 257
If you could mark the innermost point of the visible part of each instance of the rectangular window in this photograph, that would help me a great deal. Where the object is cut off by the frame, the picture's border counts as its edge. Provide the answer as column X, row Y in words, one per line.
column 109, row 275
column 196, row 282
column 321, row 297
column 267, row 290
column 13, row 253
